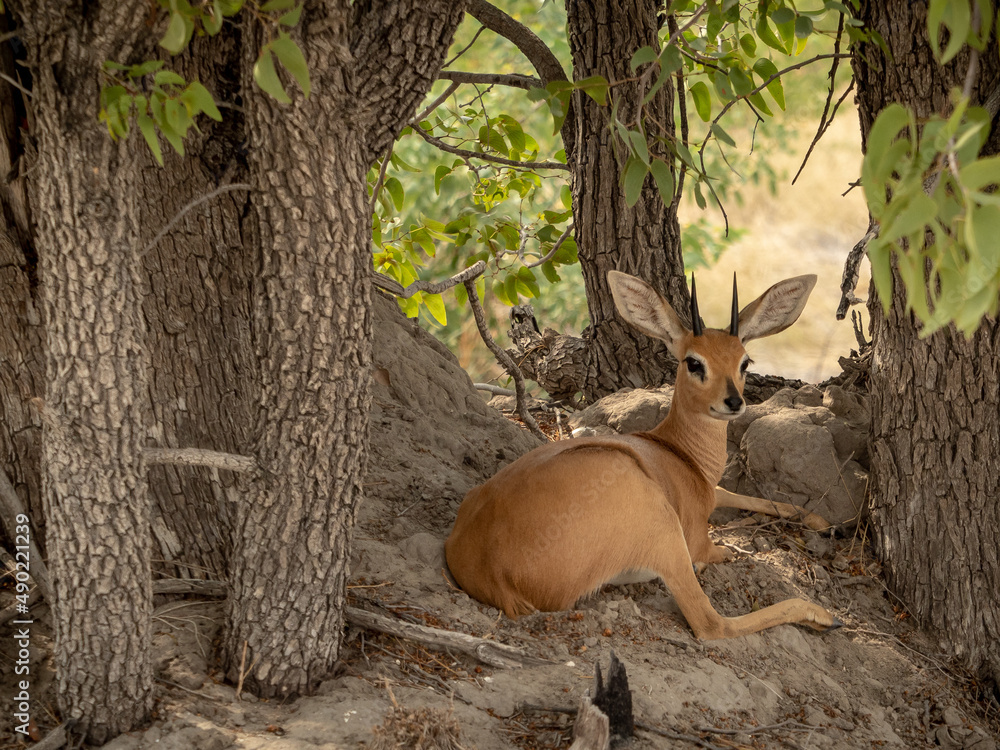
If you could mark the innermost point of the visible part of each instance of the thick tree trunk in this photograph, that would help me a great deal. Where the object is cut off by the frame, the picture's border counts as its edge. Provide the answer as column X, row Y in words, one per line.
column 96, row 405
column 935, row 401
column 309, row 164
column 643, row 240
column 197, row 307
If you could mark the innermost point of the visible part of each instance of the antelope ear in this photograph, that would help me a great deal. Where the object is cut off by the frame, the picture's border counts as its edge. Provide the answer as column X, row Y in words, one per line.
column 776, row 309
column 643, row 307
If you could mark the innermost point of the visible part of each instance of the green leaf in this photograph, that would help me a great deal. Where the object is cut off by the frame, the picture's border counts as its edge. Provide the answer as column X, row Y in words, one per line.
column 803, row 27
column 176, row 37
column 211, row 18
column 702, row 100
column 168, row 77
column 880, row 160
column 515, row 134
column 722, row 135
column 435, row 306
column 144, row 69
column 782, row 15
column 596, row 87
column 267, row 77
column 148, row 130
column 201, row 100
column 112, row 65
column 633, row 176
column 664, row 178
column 879, row 257
column 291, row 18
column 290, row 55
column 273, row 5
column 749, row 45
column 440, row 173
column 766, row 69
column 955, row 16
column 639, row 146
column 395, row 189
column 981, row 173
column 642, row 56
column 510, row 287
column 766, row 35
column 550, row 273
column 500, row 292
column 742, row 84
column 526, row 279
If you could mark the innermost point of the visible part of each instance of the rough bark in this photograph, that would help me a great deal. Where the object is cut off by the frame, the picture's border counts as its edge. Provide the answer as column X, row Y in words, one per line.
column 313, row 326
column 96, row 403
column 643, row 240
column 203, row 382
column 935, row 433
column 22, row 365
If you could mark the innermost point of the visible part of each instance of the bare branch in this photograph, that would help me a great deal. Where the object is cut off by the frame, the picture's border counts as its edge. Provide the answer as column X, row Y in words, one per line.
column 489, row 652
column 381, row 179
column 199, row 457
column 436, row 103
column 555, row 248
column 192, row 204
column 851, row 265
column 504, row 359
column 467, row 154
column 493, row 79
column 494, row 389
column 533, row 48
column 431, row 287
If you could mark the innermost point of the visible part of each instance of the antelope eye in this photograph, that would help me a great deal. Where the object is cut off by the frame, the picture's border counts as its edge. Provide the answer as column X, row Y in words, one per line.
column 695, row 367
column 743, row 367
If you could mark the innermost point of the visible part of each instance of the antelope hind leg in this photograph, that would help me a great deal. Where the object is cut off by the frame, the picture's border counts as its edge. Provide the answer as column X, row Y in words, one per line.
column 727, row 499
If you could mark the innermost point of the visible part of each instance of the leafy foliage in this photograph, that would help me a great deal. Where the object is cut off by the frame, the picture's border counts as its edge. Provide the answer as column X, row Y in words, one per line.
column 168, row 104
column 936, row 200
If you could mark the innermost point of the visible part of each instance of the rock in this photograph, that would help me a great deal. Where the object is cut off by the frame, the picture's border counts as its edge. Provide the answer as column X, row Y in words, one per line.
column 796, row 449
column 425, row 548
column 952, row 717
column 625, row 411
column 431, row 433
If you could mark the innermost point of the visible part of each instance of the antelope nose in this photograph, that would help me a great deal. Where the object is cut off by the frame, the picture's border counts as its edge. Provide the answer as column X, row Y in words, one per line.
column 733, row 403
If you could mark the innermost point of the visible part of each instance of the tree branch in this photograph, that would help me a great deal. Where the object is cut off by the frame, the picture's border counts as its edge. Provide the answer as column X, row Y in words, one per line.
column 431, row 287
column 504, row 359
column 489, row 652
column 467, row 154
column 526, row 40
column 492, row 79
column 192, row 204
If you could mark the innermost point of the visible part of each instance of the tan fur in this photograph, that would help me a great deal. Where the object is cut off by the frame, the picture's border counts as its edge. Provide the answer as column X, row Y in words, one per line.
column 571, row 516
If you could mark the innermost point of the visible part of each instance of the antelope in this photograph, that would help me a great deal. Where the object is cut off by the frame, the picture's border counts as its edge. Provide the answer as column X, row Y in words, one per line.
column 571, row 516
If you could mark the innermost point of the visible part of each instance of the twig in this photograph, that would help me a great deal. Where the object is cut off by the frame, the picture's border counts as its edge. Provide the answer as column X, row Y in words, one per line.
column 199, row 457
column 685, row 128
column 431, row 287
column 467, row 154
column 381, row 178
column 489, row 652
column 189, row 586
column 16, row 85
column 851, row 266
column 675, row 736
column 467, row 47
column 516, row 80
column 12, row 507
column 503, row 358
column 494, row 389
column 436, row 103
column 555, row 248
column 196, row 202
column 823, row 123
column 53, row 740
column 188, row 690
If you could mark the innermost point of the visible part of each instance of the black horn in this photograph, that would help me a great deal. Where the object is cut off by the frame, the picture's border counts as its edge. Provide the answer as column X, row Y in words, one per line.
column 696, row 327
column 734, row 323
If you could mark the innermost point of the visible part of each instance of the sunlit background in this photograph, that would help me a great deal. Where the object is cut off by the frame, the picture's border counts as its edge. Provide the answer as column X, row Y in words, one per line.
column 777, row 229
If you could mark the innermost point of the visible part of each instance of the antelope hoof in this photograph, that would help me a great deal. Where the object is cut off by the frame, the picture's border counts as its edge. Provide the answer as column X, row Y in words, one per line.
column 837, row 623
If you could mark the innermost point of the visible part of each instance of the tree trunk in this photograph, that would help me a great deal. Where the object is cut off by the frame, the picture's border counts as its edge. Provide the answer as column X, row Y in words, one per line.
column 96, row 404
column 643, row 240
column 935, row 434
column 309, row 163
column 203, row 383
